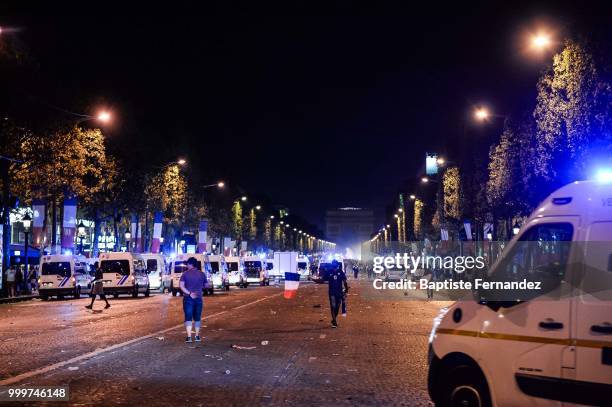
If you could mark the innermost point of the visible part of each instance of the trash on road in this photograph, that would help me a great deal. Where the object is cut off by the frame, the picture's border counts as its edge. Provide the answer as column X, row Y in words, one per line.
column 322, row 336
column 264, row 343
column 73, row 368
column 312, row 358
column 316, row 306
column 243, row 347
column 227, row 372
column 160, row 338
column 272, row 312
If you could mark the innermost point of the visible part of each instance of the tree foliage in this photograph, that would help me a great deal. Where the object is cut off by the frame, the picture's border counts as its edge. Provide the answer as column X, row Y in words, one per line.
column 572, row 116
column 451, row 183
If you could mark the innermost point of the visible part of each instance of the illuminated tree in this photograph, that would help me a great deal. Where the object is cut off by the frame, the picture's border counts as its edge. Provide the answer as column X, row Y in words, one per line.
column 267, row 234
column 572, row 117
column 451, row 183
column 166, row 191
column 72, row 161
column 252, row 224
column 237, row 221
column 418, row 217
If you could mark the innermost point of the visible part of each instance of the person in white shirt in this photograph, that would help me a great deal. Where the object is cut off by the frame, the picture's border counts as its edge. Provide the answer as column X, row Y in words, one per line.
column 10, row 281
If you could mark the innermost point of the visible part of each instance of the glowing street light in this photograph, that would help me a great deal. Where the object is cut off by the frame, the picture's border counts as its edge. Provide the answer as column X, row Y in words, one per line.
column 440, row 161
column 540, row 41
column 258, row 207
column 181, row 161
column 424, row 180
column 104, row 116
column 220, row 184
column 413, row 197
column 244, row 198
column 481, row 114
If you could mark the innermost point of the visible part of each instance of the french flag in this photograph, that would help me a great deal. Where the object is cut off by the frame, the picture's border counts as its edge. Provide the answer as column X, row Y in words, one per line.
column 292, row 282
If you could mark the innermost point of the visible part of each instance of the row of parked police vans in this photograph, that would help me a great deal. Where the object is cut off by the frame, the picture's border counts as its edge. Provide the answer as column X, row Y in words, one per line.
column 139, row 273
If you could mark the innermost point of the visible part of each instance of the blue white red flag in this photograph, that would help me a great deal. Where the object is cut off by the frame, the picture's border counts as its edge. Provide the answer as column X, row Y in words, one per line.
column 292, row 282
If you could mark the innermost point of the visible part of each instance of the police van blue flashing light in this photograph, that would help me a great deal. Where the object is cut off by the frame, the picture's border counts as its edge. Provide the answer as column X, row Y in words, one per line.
column 604, row 175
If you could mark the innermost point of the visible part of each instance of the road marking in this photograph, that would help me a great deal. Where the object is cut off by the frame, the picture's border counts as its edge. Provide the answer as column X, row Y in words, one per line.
column 89, row 355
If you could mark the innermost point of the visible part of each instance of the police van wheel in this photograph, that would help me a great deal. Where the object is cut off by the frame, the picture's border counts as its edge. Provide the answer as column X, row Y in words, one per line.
column 77, row 292
column 135, row 292
column 148, row 292
column 44, row 297
column 466, row 386
column 60, row 297
column 116, row 295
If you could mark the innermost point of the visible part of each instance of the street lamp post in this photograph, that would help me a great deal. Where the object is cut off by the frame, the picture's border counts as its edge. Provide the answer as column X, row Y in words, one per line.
column 128, row 237
column 27, row 222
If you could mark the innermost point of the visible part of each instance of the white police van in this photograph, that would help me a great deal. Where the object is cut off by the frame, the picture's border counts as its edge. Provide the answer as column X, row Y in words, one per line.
column 303, row 267
column 62, row 275
column 156, row 266
column 179, row 265
column 124, row 273
column 256, row 270
column 547, row 347
column 235, row 270
column 218, row 269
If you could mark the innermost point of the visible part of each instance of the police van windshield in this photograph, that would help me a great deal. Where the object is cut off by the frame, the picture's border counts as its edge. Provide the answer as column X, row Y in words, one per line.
column 252, row 265
column 214, row 265
column 115, row 266
column 269, row 266
column 60, row 268
column 180, row 266
column 232, row 266
column 302, row 265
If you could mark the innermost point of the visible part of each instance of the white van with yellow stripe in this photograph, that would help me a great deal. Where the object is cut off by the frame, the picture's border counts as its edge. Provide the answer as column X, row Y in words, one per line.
column 550, row 346
column 62, row 275
column 124, row 273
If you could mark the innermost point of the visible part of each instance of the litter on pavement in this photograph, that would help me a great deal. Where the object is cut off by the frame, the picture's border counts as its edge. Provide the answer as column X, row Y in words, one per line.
column 243, row 347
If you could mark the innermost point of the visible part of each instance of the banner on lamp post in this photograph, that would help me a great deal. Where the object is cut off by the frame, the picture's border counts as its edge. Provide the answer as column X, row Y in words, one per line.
column 133, row 232
column 38, row 221
column 468, row 229
column 157, row 231
column 202, row 235
column 69, row 224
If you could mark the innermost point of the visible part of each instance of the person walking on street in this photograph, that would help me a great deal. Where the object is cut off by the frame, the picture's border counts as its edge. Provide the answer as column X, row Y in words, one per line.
column 18, row 281
column 98, row 287
column 356, row 271
column 192, row 284
column 336, row 281
column 10, row 281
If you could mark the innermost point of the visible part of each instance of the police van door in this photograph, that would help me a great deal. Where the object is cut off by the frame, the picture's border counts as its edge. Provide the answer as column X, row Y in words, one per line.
column 534, row 332
column 591, row 383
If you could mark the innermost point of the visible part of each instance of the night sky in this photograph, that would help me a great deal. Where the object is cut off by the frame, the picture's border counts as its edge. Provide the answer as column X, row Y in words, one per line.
column 313, row 110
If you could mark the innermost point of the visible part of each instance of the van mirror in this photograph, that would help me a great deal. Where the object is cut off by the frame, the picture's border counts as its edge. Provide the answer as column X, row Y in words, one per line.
column 491, row 299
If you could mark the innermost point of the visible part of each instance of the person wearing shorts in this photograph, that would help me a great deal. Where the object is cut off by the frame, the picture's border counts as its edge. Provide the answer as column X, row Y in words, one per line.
column 192, row 284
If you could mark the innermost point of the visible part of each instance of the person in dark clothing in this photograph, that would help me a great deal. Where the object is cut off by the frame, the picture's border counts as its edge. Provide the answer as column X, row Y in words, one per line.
column 356, row 271
column 338, row 287
column 98, row 287
column 192, row 284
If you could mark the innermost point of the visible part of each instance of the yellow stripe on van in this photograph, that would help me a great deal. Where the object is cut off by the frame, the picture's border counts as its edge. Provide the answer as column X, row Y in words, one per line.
column 524, row 338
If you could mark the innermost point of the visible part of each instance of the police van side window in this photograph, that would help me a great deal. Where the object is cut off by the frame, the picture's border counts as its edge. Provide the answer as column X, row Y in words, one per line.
column 540, row 255
column 151, row 265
